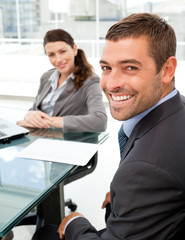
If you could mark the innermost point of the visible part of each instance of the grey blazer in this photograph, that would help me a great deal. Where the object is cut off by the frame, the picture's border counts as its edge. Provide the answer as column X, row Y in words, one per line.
column 148, row 189
column 82, row 109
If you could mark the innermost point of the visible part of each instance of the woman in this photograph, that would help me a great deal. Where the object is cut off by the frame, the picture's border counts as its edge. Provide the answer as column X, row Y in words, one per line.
column 69, row 95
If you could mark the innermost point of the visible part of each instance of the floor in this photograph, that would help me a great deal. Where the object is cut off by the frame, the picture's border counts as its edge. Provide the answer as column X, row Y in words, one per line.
column 89, row 192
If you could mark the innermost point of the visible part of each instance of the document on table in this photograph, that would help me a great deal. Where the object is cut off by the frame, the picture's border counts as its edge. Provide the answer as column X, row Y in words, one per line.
column 70, row 152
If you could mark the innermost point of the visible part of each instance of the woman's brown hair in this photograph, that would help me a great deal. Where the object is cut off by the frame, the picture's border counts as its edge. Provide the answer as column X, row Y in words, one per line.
column 83, row 69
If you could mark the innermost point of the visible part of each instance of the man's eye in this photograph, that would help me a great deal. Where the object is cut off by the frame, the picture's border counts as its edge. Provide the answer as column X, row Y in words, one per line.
column 131, row 68
column 50, row 55
column 105, row 68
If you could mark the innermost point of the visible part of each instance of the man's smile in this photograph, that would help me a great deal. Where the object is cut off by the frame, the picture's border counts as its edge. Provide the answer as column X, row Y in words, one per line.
column 120, row 98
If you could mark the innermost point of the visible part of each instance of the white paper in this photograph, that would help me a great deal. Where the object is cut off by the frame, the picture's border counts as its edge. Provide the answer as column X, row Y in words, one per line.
column 70, row 152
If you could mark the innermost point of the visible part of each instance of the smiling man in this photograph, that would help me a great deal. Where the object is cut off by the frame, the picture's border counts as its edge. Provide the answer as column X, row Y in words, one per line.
column 130, row 76
column 147, row 193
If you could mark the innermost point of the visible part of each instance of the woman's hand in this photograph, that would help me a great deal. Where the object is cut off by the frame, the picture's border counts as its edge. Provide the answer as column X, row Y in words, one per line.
column 36, row 119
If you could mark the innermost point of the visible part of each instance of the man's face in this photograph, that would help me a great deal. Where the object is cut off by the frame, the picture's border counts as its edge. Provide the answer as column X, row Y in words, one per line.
column 129, row 78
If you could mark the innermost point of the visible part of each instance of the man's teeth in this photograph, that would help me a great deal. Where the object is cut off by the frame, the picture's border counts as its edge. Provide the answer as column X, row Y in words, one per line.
column 121, row 98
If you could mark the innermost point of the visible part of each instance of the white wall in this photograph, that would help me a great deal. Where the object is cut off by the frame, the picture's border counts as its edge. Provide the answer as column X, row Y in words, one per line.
column 20, row 75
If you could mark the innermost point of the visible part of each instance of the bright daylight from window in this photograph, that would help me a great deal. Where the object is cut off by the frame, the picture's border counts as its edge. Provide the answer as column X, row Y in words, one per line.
column 23, row 24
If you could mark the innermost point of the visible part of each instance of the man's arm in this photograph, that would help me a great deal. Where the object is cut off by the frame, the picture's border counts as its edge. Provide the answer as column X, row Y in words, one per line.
column 139, row 204
column 66, row 221
column 81, row 229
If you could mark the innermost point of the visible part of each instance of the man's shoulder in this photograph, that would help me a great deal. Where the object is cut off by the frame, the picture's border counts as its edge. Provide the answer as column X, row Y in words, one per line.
column 182, row 98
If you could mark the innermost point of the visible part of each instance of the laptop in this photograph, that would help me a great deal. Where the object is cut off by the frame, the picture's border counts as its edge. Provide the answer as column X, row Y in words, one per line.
column 10, row 131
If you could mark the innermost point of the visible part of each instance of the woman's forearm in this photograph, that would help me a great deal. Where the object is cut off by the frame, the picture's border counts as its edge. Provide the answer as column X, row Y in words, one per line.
column 56, row 122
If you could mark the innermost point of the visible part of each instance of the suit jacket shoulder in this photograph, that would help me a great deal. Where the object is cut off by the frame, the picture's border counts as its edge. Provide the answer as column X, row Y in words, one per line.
column 82, row 109
column 148, row 189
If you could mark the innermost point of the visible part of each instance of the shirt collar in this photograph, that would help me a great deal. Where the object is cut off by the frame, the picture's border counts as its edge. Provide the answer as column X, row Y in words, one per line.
column 130, row 123
column 55, row 76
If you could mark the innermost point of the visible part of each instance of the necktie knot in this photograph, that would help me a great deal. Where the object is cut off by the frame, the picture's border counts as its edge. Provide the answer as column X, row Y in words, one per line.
column 122, row 137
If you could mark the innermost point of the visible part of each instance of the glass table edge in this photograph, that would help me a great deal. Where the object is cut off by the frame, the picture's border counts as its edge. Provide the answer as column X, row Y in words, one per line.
column 33, row 204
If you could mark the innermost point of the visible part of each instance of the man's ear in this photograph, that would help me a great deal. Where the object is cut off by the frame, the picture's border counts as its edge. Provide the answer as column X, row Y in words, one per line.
column 168, row 70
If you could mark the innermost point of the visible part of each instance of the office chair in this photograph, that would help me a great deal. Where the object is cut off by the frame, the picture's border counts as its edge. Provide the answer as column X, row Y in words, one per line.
column 52, row 209
column 48, row 211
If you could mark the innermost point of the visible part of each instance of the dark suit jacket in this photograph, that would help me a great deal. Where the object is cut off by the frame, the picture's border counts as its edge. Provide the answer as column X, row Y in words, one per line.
column 148, row 189
column 82, row 109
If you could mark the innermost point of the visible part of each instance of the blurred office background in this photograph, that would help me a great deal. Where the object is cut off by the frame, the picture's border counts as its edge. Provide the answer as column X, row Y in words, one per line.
column 23, row 24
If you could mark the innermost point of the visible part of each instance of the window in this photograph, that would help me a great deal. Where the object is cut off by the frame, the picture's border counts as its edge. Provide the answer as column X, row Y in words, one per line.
column 23, row 24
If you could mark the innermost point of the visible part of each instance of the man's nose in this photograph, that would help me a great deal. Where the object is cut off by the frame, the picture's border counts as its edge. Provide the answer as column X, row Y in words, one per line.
column 115, row 80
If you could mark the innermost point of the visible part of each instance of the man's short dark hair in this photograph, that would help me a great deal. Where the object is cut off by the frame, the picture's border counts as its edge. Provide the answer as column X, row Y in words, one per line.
column 161, row 36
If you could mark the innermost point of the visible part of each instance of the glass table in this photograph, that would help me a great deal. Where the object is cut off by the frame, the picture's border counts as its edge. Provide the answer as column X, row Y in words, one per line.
column 24, row 183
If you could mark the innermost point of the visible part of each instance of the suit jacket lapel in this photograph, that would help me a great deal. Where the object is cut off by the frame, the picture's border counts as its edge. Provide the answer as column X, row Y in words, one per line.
column 64, row 97
column 150, row 120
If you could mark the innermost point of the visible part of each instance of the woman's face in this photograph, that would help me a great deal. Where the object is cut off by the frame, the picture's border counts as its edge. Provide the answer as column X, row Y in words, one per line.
column 61, row 56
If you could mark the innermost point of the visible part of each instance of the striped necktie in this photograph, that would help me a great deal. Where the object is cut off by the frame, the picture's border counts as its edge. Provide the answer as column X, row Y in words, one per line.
column 122, row 138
